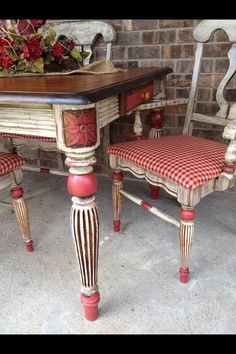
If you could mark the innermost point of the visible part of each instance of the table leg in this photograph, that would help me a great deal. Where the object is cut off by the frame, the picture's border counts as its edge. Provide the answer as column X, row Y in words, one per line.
column 82, row 185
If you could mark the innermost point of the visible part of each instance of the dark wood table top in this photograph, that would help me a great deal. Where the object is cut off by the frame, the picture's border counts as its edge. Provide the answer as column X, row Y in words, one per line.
column 75, row 88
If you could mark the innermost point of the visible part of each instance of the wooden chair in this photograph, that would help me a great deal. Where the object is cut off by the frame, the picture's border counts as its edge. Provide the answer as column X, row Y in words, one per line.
column 85, row 34
column 187, row 167
column 11, row 175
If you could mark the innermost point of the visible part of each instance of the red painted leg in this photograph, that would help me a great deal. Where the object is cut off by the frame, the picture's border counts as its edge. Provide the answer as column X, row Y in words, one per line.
column 22, row 216
column 116, row 198
column 154, row 192
column 85, row 231
column 157, row 119
column 29, row 246
column 186, row 234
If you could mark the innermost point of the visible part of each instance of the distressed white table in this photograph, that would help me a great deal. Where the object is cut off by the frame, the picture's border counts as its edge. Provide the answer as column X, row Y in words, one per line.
column 71, row 110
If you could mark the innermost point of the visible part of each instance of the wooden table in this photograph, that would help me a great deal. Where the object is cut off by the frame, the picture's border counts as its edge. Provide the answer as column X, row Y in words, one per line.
column 72, row 109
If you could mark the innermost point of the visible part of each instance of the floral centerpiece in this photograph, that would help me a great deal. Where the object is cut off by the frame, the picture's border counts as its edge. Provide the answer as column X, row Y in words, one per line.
column 37, row 52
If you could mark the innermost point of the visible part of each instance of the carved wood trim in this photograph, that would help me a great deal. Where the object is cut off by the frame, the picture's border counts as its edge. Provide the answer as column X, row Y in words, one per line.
column 224, row 105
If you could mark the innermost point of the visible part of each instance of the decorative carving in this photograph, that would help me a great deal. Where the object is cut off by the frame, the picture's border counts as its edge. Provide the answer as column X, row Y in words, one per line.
column 85, row 231
column 80, row 128
column 219, row 94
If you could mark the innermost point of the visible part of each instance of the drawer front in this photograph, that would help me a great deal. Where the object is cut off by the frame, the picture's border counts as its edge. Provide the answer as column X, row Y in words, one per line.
column 132, row 99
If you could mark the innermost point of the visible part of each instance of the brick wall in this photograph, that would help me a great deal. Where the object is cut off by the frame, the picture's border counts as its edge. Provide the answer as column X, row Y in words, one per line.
column 146, row 43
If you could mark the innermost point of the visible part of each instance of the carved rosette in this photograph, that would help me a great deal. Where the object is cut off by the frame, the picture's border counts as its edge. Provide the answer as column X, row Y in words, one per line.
column 80, row 128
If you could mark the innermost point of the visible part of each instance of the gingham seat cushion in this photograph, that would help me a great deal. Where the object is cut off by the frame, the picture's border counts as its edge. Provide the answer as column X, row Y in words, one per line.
column 29, row 137
column 8, row 162
column 186, row 160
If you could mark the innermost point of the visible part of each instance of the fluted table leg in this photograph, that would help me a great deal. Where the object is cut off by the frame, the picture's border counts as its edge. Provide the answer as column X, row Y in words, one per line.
column 78, row 137
column 85, row 232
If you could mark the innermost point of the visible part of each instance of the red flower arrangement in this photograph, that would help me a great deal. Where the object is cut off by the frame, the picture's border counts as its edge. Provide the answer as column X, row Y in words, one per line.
column 37, row 52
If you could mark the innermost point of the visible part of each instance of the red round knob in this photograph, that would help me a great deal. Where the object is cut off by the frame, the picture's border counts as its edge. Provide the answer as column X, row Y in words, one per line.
column 187, row 214
column 118, row 176
column 17, row 192
column 82, row 185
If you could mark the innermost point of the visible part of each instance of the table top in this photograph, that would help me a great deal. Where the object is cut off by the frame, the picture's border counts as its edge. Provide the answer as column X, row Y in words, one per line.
column 75, row 88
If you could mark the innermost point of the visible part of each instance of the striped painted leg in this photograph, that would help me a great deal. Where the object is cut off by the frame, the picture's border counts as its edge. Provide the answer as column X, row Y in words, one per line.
column 186, row 234
column 116, row 198
column 85, row 232
column 22, row 215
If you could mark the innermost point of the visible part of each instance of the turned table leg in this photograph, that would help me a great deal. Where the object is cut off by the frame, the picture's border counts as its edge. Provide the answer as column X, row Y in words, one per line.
column 85, row 232
column 78, row 137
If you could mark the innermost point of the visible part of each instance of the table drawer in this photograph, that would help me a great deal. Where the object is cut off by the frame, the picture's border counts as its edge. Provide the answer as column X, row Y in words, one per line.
column 132, row 99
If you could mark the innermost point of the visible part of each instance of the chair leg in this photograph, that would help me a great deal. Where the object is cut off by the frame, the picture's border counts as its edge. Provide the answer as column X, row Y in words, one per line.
column 154, row 192
column 22, row 215
column 157, row 119
column 186, row 234
column 116, row 198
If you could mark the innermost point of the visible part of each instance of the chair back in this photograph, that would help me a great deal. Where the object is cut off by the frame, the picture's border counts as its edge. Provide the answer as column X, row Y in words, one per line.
column 85, row 33
column 202, row 33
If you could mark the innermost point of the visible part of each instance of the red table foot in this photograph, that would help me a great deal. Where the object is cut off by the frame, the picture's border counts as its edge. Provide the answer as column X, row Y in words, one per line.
column 184, row 273
column 116, row 225
column 90, row 306
column 29, row 246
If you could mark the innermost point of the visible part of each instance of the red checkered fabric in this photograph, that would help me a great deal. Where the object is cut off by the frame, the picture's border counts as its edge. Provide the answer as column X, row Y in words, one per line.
column 8, row 162
column 186, row 160
column 29, row 137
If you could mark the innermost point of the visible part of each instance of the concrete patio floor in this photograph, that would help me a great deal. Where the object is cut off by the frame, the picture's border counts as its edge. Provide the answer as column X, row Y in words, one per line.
column 138, row 268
